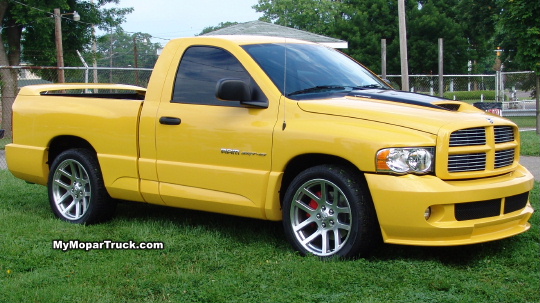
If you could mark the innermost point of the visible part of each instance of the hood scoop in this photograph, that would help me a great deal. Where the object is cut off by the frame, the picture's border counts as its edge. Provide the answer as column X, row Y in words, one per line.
column 450, row 106
column 404, row 97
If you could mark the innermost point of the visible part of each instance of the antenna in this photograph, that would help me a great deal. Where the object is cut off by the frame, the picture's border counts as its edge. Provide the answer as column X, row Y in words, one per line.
column 285, row 89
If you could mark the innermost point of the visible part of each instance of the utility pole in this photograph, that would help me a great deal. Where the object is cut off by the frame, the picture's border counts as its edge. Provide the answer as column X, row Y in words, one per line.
column 136, row 57
column 403, row 46
column 111, row 56
column 94, row 52
column 441, row 68
column 58, row 40
column 59, row 47
column 383, row 58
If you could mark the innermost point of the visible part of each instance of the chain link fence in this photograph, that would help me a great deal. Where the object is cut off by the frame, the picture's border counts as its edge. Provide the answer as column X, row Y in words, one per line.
column 12, row 78
column 512, row 93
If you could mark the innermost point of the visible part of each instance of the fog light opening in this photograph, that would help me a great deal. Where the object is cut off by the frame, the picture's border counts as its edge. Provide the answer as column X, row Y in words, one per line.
column 427, row 213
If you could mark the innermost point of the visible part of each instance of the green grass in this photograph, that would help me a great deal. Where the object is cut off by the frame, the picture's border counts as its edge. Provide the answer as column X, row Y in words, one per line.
column 216, row 258
column 524, row 122
column 530, row 140
column 530, row 143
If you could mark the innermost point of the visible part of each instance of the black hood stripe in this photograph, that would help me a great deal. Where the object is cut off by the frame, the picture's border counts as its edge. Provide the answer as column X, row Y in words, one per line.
column 399, row 96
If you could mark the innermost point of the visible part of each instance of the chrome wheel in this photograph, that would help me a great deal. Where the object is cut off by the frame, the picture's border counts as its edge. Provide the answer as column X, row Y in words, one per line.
column 71, row 189
column 77, row 193
column 321, row 217
column 328, row 212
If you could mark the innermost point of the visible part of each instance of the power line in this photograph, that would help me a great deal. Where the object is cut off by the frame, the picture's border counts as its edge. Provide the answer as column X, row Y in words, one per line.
column 106, row 29
column 66, row 18
column 48, row 13
column 149, row 35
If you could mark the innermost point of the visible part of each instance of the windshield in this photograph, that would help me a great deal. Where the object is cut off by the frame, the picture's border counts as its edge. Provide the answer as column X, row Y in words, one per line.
column 311, row 69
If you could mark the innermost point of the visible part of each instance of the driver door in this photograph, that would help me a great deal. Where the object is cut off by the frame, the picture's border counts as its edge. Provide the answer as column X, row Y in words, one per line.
column 213, row 155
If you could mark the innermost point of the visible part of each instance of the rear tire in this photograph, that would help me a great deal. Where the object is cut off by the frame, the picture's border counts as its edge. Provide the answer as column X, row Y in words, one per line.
column 77, row 193
column 328, row 212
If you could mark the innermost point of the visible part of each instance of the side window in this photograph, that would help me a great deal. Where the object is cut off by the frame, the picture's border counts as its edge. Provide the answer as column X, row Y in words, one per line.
column 200, row 69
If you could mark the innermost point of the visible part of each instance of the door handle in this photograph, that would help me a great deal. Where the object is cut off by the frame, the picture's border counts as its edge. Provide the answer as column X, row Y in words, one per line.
column 170, row 121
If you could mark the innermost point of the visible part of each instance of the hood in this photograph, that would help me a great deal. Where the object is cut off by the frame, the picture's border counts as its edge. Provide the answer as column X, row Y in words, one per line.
column 415, row 111
column 399, row 97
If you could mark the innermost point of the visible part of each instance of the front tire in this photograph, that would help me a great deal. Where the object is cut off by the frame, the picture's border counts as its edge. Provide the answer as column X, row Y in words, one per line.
column 327, row 212
column 76, row 190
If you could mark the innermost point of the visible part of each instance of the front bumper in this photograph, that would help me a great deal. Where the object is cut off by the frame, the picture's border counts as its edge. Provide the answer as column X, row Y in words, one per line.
column 401, row 202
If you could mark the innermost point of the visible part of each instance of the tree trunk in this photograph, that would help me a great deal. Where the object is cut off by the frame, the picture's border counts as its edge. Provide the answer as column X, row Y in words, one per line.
column 9, row 56
column 9, row 91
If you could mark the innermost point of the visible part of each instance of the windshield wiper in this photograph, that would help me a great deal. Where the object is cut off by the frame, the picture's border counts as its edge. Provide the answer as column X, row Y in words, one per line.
column 316, row 89
column 368, row 86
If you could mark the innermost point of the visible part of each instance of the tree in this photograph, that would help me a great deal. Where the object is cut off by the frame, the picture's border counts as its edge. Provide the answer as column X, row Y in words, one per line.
column 122, row 46
column 28, row 33
column 122, row 49
column 318, row 16
column 518, row 33
column 363, row 25
column 350, row 20
column 426, row 24
column 467, row 27
column 478, row 18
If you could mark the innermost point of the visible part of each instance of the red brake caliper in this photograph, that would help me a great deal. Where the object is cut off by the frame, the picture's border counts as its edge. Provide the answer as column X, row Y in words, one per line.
column 313, row 204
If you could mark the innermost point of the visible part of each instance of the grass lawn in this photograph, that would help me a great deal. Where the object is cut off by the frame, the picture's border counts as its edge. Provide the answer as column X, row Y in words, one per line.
column 524, row 122
column 530, row 143
column 216, row 258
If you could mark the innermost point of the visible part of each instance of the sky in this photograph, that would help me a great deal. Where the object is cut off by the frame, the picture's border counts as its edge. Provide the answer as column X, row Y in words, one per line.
column 170, row 19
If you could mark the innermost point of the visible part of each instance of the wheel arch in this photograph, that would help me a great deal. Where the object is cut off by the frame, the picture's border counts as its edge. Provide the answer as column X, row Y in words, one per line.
column 305, row 161
column 63, row 143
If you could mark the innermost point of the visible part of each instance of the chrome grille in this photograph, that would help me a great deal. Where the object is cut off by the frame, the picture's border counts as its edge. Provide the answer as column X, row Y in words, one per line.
column 469, row 136
column 504, row 134
column 466, row 162
column 504, row 158
column 480, row 151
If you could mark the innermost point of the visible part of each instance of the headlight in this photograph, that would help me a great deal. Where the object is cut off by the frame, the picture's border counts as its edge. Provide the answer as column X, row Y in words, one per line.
column 417, row 160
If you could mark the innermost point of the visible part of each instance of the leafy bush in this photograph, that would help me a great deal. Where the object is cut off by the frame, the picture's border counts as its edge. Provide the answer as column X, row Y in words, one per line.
column 489, row 95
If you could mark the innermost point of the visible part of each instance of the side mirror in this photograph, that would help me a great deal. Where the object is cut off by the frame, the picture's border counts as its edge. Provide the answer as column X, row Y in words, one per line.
column 233, row 90
column 237, row 90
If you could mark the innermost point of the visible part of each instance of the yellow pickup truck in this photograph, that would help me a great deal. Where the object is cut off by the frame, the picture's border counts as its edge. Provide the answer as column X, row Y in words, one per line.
column 276, row 129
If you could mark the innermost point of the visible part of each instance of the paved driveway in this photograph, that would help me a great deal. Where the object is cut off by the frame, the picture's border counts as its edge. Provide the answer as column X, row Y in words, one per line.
column 533, row 165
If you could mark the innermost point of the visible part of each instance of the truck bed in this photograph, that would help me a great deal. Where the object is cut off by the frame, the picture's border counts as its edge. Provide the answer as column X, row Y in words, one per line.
column 55, row 112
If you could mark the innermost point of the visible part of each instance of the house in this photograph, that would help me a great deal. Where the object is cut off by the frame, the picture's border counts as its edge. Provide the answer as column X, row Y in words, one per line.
column 261, row 28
